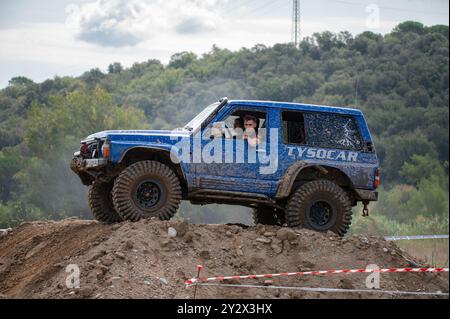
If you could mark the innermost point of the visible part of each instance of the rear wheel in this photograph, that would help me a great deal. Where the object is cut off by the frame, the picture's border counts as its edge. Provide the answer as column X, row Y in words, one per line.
column 100, row 202
column 267, row 215
column 147, row 189
column 321, row 206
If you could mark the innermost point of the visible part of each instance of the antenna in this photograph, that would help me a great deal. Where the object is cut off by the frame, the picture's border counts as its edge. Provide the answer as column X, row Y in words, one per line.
column 296, row 28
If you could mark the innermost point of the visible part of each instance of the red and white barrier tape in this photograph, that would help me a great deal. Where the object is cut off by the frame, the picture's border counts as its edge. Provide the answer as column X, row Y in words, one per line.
column 317, row 273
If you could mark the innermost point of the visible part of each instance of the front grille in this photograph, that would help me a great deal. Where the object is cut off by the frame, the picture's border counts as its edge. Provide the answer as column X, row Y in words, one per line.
column 91, row 150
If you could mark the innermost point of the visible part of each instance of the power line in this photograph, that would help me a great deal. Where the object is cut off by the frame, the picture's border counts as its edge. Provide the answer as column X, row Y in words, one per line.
column 251, row 10
column 269, row 8
column 240, row 5
column 261, row 9
column 389, row 8
column 264, row 7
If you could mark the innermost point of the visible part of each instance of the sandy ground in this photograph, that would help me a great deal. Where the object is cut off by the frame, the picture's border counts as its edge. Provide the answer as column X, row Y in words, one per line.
column 141, row 260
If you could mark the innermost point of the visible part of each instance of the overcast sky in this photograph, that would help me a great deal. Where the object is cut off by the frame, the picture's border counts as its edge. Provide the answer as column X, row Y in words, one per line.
column 43, row 38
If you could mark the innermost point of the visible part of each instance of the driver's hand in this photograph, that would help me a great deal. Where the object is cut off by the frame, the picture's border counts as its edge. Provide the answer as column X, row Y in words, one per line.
column 250, row 133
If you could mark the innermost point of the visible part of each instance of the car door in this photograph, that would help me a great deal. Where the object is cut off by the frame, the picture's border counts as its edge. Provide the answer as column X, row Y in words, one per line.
column 238, row 167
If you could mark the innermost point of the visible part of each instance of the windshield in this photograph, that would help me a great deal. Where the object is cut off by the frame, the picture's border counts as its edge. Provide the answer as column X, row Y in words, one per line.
column 201, row 117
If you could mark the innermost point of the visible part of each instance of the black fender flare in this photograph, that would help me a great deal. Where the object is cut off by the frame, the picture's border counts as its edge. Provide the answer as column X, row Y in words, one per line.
column 288, row 180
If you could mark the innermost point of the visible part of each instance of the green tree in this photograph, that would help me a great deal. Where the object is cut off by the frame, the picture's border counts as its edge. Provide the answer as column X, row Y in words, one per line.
column 423, row 167
column 410, row 26
column 115, row 68
column 400, row 149
column 21, row 81
column 182, row 60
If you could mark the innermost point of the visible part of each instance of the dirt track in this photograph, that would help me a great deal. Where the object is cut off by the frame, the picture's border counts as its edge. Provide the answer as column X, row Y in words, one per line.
column 140, row 260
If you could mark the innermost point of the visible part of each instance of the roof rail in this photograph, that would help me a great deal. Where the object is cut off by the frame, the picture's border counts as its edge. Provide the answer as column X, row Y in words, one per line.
column 224, row 99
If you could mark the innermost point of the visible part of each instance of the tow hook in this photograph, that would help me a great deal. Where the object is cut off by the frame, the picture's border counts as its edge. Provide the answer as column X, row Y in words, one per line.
column 365, row 209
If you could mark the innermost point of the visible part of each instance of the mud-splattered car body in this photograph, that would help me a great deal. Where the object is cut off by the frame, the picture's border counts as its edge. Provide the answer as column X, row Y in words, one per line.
column 336, row 145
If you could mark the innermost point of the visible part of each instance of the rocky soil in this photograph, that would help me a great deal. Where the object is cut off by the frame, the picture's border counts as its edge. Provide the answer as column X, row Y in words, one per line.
column 152, row 259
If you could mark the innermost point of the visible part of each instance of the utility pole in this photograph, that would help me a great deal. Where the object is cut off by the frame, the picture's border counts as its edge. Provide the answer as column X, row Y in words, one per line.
column 296, row 28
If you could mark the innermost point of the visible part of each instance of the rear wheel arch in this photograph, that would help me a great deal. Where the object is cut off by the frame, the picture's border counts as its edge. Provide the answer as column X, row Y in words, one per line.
column 302, row 172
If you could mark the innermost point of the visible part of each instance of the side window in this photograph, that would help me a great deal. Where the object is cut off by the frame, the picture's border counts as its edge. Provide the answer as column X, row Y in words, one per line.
column 236, row 124
column 293, row 127
column 333, row 131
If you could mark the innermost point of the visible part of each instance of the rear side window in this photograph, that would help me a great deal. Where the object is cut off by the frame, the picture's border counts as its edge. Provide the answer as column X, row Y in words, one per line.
column 293, row 127
column 332, row 131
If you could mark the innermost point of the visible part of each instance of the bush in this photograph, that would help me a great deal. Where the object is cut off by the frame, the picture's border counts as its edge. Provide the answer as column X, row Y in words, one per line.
column 380, row 225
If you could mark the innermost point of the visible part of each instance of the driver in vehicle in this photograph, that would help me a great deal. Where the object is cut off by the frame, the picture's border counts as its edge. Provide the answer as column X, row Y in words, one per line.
column 251, row 130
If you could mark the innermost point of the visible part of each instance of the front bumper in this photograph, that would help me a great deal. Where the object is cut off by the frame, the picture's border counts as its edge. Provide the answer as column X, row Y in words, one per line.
column 87, row 169
column 80, row 164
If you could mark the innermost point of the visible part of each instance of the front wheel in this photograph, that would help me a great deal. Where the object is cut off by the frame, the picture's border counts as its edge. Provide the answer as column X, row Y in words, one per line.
column 321, row 206
column 147, row 189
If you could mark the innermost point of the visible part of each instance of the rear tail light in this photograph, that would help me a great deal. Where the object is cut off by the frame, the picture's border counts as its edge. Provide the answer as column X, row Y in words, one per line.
column 106, row 150
column 377, row 178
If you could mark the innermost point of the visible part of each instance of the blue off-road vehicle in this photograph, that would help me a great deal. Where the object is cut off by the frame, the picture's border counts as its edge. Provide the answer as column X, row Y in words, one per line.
column 295, row 164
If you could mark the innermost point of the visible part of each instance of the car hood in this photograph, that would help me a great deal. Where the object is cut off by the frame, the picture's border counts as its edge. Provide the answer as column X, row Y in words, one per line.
column 131, row 134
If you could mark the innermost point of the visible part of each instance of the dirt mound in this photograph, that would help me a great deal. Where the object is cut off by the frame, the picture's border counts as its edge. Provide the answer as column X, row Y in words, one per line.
column 143, row 260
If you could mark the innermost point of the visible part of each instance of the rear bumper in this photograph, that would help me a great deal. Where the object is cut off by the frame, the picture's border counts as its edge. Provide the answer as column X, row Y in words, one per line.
column 366, row 195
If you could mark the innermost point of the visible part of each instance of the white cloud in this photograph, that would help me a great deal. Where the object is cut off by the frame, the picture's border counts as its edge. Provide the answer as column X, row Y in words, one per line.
column 119, row 23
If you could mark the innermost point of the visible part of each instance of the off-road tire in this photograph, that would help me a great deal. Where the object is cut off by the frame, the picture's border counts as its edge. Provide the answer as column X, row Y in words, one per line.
column 100, row 202
column 127, row 186
column 300, row 213
column 267, row 215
